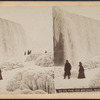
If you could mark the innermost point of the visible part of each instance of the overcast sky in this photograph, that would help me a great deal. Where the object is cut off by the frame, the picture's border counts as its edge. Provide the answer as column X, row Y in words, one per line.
column 37, row 21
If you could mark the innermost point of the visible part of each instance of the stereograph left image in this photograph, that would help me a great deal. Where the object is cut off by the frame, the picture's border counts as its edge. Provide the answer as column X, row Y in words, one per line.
column 26, row 50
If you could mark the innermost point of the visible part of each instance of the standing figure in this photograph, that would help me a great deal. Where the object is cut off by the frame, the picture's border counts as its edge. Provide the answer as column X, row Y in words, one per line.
column 24, row 53
column 45, row 51
column 0, row 75
column 28, row 52
column 67, row 69
column 81, row 71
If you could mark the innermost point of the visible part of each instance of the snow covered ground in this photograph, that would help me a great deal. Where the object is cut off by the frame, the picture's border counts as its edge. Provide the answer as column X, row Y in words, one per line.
column 35, row 79
column 29, row 68
column 8, row 75
column 91, row 80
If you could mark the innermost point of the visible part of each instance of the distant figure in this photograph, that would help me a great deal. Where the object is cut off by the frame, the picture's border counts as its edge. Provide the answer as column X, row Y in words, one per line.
column 29, row 52
column 45, row 51
column 67, row 69
column 81, row 71
column 0, row 75
column 24, row 53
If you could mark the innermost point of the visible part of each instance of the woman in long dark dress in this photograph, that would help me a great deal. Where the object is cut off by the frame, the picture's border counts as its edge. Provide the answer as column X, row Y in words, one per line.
column 81, row 71
column 0, row 75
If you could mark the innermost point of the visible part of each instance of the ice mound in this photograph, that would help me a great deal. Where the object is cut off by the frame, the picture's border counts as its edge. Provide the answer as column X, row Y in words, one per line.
column 45, row 60
column 11, row 64
column 95, row 82
column 31, row 80
column 14, row 83
column 51, row 73
column 40, row 92
column 32, row 57
column 27, row 91
column 41, row 59
column 92, row 63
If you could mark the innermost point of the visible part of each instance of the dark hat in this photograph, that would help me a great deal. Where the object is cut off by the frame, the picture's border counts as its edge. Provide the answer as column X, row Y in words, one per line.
column 80, row 63
column 66, row 60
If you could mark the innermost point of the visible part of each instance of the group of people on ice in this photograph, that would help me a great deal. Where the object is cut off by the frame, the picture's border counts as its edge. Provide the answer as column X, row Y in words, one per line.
column 28, row 52
column 67, row 70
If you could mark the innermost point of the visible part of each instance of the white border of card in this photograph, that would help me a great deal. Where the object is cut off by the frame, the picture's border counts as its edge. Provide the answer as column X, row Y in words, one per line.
column 73, row 95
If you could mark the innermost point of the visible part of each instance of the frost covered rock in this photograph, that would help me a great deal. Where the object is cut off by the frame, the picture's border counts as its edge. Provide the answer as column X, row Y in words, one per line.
column 14, row 83
column 11, row 64
column 32, row 80
column 32, row 57
column 45, row 60
column 28, row 81
column 51, row 73
column 41, row 59
column 50, row 87
column 18, row 76
column 39, row 81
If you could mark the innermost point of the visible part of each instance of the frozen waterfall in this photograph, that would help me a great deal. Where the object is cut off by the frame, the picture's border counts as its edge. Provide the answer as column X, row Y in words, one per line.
column 12, row 40
column 76, row 37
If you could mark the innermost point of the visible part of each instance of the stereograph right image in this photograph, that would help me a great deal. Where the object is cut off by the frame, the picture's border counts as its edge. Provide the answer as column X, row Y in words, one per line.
column 76, row 38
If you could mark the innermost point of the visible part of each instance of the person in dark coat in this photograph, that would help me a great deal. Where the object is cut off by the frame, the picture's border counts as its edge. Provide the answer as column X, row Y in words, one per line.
column 0, row 75
column 81, row 71
column 24, row 53
column 67, row 69
column 28, row 52
column 45, row 51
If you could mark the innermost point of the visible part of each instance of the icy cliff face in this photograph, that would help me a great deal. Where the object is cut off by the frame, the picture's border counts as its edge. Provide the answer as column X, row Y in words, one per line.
column 76, row 37
column 12, row 39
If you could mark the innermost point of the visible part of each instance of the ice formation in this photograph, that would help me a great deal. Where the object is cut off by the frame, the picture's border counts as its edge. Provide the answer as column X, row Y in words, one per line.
column 32, row 80
column 41, row 59
column 12, row 40
column 12, row 64
column 76, row 38
column 45, row 60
